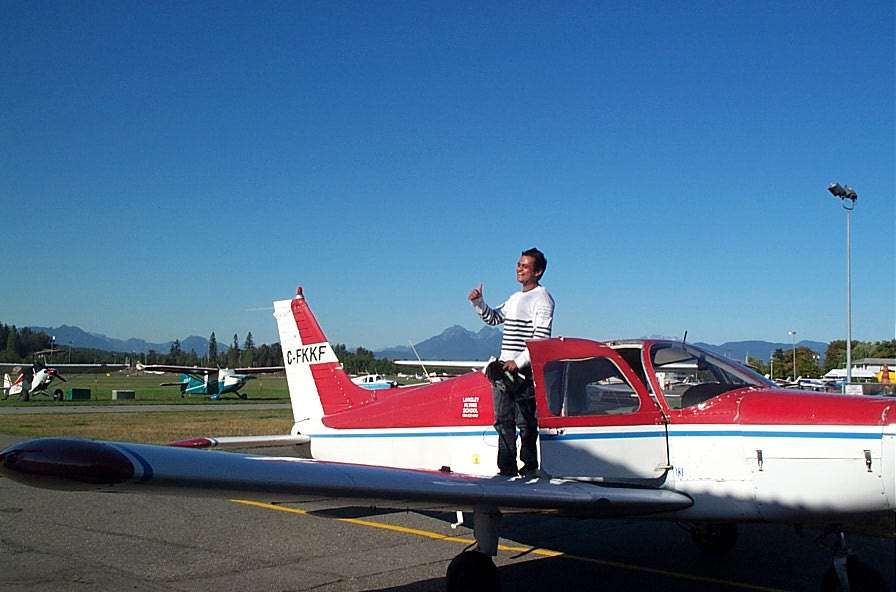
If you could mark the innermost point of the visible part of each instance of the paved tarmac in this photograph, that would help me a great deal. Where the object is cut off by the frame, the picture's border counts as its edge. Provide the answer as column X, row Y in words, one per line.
column 61, row 541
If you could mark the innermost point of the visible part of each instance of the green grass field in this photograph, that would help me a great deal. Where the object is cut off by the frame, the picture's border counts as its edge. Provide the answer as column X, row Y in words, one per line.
column 235, row 418
column 266, row 389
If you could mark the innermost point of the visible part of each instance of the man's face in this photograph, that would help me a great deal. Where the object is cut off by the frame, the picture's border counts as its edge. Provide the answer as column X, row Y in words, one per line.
column 525, row 271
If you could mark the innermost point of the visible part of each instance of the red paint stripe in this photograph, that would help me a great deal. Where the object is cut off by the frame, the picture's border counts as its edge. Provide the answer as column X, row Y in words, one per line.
column 309, row 331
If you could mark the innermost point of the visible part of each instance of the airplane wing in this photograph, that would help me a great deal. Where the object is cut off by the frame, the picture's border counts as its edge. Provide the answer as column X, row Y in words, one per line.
column 244, row 442
column 260, row 370
column 181, row 369
column 473, row 364
column 75, row 368
column 76, row 464
column 202, row 370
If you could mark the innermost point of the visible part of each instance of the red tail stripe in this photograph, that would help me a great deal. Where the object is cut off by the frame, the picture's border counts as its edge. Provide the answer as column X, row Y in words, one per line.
column 336, row 391
column 309, row 330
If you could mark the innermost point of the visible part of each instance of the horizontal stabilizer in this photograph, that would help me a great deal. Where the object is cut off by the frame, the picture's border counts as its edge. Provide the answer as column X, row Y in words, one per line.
column 243, row 442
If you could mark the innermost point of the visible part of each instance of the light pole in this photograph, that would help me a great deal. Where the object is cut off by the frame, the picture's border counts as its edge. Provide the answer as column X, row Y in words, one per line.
column 848, row 200
column 793, row 339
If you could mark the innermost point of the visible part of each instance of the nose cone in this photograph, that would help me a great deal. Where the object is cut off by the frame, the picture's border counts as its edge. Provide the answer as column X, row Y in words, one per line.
column 65, row 463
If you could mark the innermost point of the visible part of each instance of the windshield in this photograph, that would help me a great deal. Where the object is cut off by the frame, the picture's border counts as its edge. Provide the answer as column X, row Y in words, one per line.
column 688, row 375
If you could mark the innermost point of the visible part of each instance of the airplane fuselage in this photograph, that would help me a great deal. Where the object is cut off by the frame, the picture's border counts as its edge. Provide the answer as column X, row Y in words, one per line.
column 38, row 383
column 213, row 383
column 752, row 453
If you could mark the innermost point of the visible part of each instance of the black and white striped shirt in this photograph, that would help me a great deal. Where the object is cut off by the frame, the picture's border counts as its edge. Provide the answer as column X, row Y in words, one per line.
column 526, row 315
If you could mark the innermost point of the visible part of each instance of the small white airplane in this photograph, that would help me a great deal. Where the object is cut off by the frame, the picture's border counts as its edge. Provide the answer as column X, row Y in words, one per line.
column 374, row 382
column 36, row 379
column 726, row 447
column 197, row 380
column 807, row 384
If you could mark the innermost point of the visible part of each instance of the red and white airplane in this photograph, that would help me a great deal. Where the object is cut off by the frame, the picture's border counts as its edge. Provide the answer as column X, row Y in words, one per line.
column 41, row 376
column 36, row 379
column 620, row 435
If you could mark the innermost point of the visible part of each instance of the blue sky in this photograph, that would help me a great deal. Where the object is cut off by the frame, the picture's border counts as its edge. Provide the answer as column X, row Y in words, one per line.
column 168, row 168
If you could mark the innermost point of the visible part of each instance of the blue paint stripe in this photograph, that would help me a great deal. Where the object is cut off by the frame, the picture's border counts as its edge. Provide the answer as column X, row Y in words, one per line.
column 619, row 435
column 147, row 468
column 775, row 434
column 603, row 436
column 588, row 436
column 350, row 434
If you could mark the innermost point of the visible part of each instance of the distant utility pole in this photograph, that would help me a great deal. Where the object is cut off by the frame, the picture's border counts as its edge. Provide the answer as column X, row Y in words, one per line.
column 793, row 339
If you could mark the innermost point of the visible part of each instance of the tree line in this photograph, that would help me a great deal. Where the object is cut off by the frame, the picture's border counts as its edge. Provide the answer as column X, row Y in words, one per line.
column 22, row 345
column 247, row 355
column 781, row 364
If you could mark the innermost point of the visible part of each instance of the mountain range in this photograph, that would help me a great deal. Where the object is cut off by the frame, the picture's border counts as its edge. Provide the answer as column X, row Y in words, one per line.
column 458, row 343
column 454, row 343
column 66, row 335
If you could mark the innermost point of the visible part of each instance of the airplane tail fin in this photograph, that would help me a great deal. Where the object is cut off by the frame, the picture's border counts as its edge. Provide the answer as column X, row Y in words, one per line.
column 317, row 383
column 12, row 387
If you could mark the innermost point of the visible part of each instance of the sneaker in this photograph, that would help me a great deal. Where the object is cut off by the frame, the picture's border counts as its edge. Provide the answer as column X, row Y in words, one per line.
column 529, row 471
column 508, row 472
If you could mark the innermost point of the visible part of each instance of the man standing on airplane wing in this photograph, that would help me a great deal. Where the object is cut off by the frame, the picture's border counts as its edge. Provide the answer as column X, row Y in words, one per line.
column 527, row 314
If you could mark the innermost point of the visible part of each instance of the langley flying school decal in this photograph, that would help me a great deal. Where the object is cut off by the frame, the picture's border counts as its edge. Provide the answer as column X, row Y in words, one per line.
column 471, row 407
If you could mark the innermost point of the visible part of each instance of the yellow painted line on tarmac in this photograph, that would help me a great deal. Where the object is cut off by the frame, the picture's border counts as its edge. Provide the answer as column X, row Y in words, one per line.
column 525, row 550
column 403, row 529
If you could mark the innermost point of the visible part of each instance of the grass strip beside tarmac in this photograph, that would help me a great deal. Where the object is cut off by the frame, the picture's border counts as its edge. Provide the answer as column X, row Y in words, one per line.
column 150, row 427
column 148, row 391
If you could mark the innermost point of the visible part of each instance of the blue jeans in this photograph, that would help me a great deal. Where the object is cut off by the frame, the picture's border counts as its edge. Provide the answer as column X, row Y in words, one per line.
column 510, row 414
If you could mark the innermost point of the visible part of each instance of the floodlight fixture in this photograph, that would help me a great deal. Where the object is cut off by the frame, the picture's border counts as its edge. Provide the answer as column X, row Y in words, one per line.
column 844, row 193
column 836, row 190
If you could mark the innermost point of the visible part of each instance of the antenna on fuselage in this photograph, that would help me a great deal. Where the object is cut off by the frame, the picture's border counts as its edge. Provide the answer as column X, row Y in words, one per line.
column 684, row 337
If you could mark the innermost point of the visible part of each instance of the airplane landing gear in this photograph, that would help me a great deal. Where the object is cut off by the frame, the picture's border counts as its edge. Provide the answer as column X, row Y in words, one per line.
column 242, row 396
column 848, row 573
column 57, row 395
column 713, row 538
column 472, row 571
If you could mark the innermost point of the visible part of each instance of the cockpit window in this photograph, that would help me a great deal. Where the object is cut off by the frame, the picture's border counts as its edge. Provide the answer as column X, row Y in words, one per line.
column 689, row 376
column 590, row 386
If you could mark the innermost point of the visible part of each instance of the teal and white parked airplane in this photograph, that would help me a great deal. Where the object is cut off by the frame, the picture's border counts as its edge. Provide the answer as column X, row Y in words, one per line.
column 210, row 381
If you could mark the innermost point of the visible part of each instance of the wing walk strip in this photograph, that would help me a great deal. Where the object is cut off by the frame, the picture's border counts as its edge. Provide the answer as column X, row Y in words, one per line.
column 521, row 550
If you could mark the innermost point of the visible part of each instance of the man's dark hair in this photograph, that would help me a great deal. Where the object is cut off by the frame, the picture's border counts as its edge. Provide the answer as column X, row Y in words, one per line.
column 541, row 264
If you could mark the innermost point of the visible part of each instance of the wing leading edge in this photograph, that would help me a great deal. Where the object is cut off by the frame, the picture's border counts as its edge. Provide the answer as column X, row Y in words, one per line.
column 204, row 369
column 75, row 464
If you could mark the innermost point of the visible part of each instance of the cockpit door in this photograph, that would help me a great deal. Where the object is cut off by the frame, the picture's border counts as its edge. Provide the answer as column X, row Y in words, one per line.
column 596, row 419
